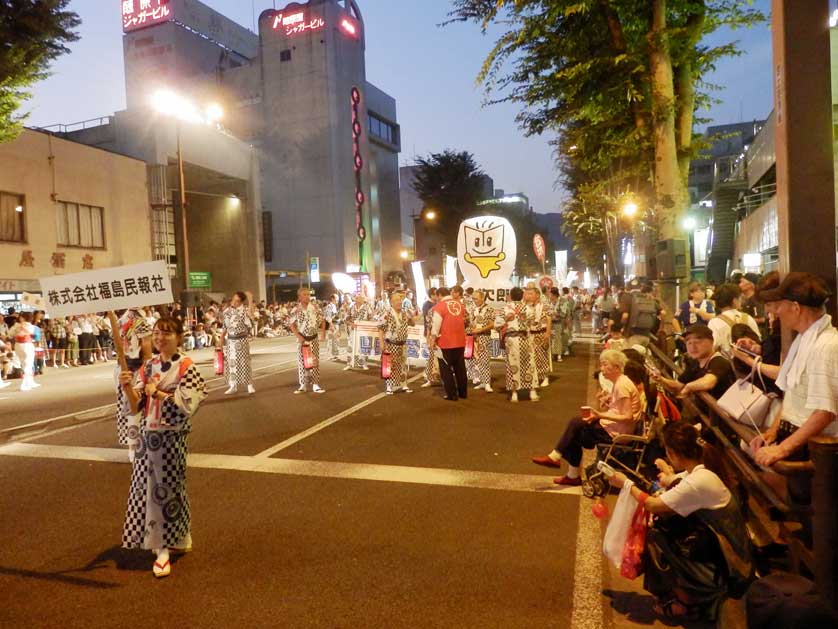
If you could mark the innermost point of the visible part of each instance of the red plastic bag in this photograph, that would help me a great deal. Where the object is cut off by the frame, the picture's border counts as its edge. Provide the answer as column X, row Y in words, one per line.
column 635, row 546
column 469, row 350
column 219, row 362
column 386, row 365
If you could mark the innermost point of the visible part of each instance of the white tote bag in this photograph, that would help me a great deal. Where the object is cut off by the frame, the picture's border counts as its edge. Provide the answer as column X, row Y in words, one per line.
column 619, row 525
column 747, row 403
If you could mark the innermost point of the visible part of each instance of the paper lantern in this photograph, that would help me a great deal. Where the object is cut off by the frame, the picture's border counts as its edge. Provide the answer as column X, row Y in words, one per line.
column 469, row 350
column 386, row 365
column 308, row 357
column 219, row 362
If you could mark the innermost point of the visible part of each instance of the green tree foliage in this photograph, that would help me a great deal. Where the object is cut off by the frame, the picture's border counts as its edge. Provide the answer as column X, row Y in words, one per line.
column 618, row 82
column 33, row 33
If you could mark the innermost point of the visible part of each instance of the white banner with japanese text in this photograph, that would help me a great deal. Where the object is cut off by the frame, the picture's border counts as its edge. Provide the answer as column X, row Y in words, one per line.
column 116, row 288
column 364, row 341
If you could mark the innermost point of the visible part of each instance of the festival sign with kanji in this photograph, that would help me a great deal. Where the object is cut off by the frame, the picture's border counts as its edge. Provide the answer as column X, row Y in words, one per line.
column 117, row 288
column 539, row 247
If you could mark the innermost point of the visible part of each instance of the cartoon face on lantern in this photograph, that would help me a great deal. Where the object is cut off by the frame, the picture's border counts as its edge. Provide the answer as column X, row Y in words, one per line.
column 486, row 248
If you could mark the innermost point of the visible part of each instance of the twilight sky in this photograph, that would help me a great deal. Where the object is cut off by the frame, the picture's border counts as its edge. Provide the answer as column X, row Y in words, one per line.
column 429, row 70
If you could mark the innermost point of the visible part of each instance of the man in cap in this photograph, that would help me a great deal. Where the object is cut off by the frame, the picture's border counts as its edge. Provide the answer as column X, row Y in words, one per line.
column 706, row 369
column 808, row 375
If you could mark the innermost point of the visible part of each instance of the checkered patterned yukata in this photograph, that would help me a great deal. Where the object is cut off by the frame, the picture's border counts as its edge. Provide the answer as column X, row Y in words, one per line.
column 396, row 326
column 158, row 513
column 330, row 313
column 308, row 320
column 358, row 312
column 237, row 370
column 520, row 366
column 480, row 366
column 133, row 328
column 537, row 318
column 432, row 366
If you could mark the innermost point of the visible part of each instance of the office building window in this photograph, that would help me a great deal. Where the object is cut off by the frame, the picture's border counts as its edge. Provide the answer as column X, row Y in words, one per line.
column 80, row 225
column 382, row 129
column 12, row 219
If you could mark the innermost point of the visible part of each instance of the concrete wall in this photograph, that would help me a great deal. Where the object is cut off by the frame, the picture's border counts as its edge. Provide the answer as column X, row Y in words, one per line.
column 81, row 174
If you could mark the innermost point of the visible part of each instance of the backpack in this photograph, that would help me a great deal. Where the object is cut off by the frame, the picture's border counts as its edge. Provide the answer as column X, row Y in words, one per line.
column 643, row 315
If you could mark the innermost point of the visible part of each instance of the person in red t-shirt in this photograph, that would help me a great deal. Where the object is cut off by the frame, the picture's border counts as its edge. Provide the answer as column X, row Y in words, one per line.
column 448, row 333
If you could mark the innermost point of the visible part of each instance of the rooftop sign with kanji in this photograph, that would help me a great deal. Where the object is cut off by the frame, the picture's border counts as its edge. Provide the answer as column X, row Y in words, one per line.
column 296, row 22
column 138, row 14
column 117, row 288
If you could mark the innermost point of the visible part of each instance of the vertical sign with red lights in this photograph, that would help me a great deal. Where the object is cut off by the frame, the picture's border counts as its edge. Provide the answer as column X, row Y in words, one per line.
column 358, row 163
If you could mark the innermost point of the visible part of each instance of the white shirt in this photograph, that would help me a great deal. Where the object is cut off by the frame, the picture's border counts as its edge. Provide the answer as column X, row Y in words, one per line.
column 721, row 329
column 818, row 386
column 699, row 489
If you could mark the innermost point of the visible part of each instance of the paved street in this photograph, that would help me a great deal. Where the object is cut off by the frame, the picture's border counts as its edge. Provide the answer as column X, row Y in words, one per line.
column 348, row 509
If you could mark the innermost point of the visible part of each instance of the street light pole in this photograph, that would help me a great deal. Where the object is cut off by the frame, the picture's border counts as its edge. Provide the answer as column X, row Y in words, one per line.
column 183, row 210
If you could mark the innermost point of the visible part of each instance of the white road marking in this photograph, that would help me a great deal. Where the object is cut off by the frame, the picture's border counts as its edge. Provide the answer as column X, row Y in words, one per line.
column 325, row 424
column 588, row 610
column 112, row 406
column 321, row 469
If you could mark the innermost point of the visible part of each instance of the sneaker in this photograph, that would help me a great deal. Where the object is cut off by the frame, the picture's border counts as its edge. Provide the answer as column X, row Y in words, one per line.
column 347, row 368
column 545, row 382
column 65, row 366
column 365, row 368
column 231, row 390
column 479, row 386
column 488, row 388
column 316, row 388
column 427, row 384
column 406, row 390
column 513, row 397
column 388, row 392
column 534, row 396
column 251, row 389
column 300, row 390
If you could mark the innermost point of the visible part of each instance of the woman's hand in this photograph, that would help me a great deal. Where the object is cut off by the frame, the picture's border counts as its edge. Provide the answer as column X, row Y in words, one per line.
column 664, row 467
column 126, row 378
column 618, row 479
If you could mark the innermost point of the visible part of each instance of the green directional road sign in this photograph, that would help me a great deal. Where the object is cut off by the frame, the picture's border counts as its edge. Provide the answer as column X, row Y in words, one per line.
column 200, row 279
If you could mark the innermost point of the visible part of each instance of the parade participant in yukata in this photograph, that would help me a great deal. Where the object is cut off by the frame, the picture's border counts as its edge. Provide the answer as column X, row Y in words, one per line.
column 330, row 313
column 431, row 366
column 555, row 325
column 309, row 327
column 166, row 392
column 238, row 326
column 539, row 321
column 360, row 310
column 565, row 311
column 511, row 322
column 135, row 335
column 392, row 332
column 482, row 323
column 448, row 333
column 23, row 333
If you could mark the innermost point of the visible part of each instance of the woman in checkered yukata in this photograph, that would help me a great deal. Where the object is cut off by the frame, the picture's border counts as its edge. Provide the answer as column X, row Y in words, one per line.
column 164, row 394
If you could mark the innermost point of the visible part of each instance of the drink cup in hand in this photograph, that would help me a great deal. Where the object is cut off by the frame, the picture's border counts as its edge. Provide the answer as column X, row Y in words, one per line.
column 585, row 412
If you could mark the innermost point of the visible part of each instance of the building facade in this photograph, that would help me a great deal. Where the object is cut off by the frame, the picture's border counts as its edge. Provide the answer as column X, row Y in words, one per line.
column 67, row 208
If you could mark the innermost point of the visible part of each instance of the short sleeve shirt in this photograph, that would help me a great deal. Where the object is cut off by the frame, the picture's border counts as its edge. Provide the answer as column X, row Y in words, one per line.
column 818, row 386
column 699, row 489
column 623, row 388
column 718, row 366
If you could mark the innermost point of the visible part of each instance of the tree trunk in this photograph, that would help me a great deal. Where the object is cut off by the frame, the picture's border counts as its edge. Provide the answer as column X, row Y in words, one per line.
column 671, row 195
column 670, row 188
column 685, row 92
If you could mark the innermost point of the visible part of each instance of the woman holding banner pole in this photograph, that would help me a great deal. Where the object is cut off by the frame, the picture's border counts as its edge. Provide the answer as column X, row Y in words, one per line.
column 238, row 324
column 166, row 392
column 133, row 335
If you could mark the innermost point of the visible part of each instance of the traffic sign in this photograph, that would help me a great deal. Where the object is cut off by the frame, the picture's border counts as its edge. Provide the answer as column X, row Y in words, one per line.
column 200, row 279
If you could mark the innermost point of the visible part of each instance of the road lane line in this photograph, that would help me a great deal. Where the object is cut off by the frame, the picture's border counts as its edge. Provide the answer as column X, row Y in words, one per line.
column 588, row 612
column 111, row 407
column 319, row 469
column 325, row 424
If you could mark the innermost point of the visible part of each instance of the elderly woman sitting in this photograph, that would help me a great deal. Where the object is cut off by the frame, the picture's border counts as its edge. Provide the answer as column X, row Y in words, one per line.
column 697, row 550
column 614, row 414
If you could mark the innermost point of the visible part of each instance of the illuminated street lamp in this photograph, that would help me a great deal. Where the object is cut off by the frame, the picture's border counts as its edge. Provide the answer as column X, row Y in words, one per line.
column 430, row 215
column 630, row 209
column 690, row 223
column 168, row 103
column 403, row 254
